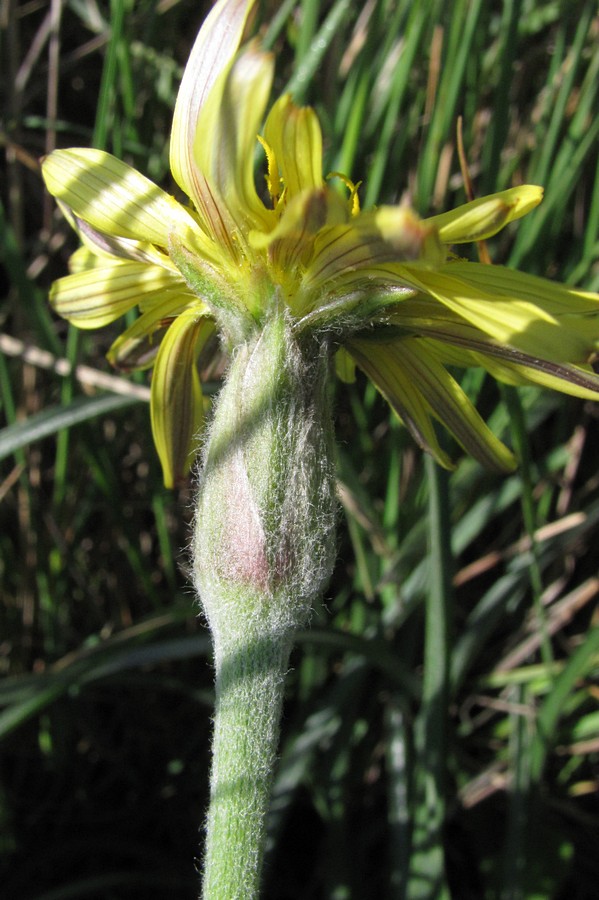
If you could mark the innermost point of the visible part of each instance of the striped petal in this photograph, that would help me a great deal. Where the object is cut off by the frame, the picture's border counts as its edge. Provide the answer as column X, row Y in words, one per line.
column 83, row 258
column 533, row 315
column 482, row 218
column 106, row 245
column 177, row 407
column 114, row 198
column 200, row 120
column 417, row 386
column 294, row 139
column 137, row 346
column 349, row 254
column 290, row 243
column 225, row 146
column 95, row 297
column 461, row 344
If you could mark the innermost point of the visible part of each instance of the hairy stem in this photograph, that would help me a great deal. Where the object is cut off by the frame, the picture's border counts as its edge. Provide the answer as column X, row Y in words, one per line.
column 263, row 551
column 249, row 694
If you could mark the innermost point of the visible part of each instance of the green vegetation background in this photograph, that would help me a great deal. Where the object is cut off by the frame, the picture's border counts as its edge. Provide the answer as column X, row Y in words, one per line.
column 441, row 735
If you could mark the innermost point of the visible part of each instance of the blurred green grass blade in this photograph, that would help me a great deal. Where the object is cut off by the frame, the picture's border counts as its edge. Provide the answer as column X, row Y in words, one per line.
column 461, row 32
column 537, row 677
column 412, row 40
column 514, row 850
column 164, row 541
column 127, row 92
column 105, row 112
column 322, row 741
column 24, row 697
column 569, row 69
column 591, row 237
column 374, row 651
column 364, row 580
column 498, row 127
column 566, row 177
column 359, row 99
column 317, row 730
column 9, row 403
column 32, row 302
column 580, row 665
column 67, row 392
column 278, row 22
column 397, row 757
column 391, row 508
column 504, row 595
column 12, row 259
column 42, row 696
column 427, row 864
column 301, row 78
column 522, row 449
column 566, row 141
column 52, row 419
column 124, row 657
column 309, row 14
column 484, row 504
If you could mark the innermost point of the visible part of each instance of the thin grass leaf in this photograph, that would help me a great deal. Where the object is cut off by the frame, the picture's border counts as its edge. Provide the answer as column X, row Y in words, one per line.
column 427, row 863
column 52, row 419
column 582, row 662
column 313, row 56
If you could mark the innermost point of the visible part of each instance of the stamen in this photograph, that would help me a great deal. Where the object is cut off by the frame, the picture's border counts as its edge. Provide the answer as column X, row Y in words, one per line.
column 353, row 201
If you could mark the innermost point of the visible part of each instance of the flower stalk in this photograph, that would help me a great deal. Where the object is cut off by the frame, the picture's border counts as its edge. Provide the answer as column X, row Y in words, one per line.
column 275, row 277
column 249, row 695
column 264, row 548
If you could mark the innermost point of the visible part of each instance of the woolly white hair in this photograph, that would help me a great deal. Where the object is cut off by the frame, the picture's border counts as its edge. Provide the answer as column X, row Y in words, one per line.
column 264, row 542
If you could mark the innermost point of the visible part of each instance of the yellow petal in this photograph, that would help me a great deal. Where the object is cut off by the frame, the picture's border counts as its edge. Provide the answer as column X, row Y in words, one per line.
column 408, row 236
column 83, row 258
column 136, row 347
column 539, row 317
column 113, row 197
column 176, row 396
column 383, row 367
column 108, row 246
column 213, row 50
column 212, row 54
column 411, row 377
column 459, row 343
column 290, row 244
column 482, row 218
column 244, row 101
column 294, row 137
column 349, row 254
column 554, row 298
column 224, row 148
column 515, row 367
column 95, row 297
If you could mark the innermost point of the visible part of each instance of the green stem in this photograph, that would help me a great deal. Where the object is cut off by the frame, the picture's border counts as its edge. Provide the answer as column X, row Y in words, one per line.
column 249, row 696
column 263, row 552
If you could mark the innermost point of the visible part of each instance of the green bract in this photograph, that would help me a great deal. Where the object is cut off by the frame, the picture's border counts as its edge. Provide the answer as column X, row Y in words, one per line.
column 382, row 285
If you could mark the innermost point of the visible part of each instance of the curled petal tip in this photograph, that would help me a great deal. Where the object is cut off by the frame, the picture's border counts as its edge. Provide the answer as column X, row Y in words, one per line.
column 481, row 219
column 213, row 50
column 409, row 236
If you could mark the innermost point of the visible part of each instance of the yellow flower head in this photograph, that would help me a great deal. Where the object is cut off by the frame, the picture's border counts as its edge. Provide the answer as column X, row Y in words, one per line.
column 381, row 286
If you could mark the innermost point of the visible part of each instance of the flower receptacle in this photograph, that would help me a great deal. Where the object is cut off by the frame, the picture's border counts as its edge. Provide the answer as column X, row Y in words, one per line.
column 265, row 520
